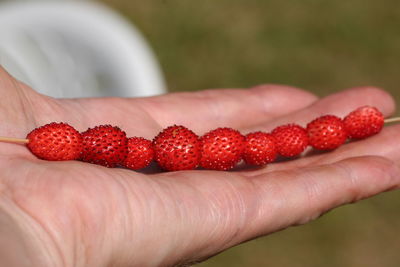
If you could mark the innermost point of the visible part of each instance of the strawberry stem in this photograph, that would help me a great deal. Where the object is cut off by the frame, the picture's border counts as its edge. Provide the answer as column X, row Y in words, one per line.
column 14, row 140
column 397, row 119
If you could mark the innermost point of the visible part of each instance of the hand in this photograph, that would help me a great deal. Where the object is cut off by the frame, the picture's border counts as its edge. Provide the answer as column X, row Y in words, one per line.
column 78, row 214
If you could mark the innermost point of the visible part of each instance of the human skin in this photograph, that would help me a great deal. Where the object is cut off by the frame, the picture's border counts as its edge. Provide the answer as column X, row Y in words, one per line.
column 62, row 214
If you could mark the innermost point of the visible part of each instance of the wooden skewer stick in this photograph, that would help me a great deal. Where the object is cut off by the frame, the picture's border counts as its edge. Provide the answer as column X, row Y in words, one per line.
column 390, row 120
column 14, row 140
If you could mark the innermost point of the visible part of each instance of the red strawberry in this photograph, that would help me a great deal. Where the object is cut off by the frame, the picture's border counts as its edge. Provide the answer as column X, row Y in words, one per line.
column 104, row 145
column 364, row 122
column 222, row 149
column 140, row 153
column 326, row 132
column 260, row 149
column 177, row 148
column 55, row 141
column 291, row 139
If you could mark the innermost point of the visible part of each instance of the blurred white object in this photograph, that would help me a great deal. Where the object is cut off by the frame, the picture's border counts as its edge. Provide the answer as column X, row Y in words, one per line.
column 76, row 49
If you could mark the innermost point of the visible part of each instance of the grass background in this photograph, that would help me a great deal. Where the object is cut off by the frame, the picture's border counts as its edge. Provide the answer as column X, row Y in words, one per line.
column 322, row 46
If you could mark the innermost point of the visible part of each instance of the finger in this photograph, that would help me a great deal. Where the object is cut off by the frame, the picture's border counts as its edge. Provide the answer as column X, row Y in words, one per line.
column 296, row 197
column 339, row 104
column 233, row 209
column 205, row 110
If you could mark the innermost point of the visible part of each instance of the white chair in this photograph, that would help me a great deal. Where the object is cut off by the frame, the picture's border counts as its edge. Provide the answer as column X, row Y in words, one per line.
column 76, row 49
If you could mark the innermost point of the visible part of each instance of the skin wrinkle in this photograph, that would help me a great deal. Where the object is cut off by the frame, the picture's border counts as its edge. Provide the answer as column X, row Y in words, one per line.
column 159, row 209
column 4, row 189
column 270, row 200
column 133, row 125
column 70, row 104
column 213, row 216
column 7, row 82
column 132, row 196
column 313, row 191
column 339, row 170
column 349, row 181
column 184, row 206
column 259, row 96
column 157, row 108
column 81, row 252
column 52, row 231
column 30, row 101
column 108, row 209
column 143, row 112
column 46, row 231
column 20, row 108
column 35, row 230
column 128, row 215
column 50, row 108
column 246, row 212
column 216, row 203
column 220, row 216
column 218, row 108
column 352, row 181
column 86, row 228
column 85, row 213
column 129, row 196
column 387, row 175
column 239, row 186
column 164, row 188
column 280, row 94
column 239, row 209
column 142, row 104
column 82, row 216
column 159, row 201
column 312, row 188
column 276, row 190
column 221, row 110
column 196, row 220
column 371, row 93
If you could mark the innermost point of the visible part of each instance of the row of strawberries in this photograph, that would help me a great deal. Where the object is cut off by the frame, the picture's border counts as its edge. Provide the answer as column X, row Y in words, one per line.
column 178, row 148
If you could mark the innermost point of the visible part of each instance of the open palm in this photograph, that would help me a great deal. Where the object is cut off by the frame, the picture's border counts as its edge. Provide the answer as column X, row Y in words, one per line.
column 79, row 214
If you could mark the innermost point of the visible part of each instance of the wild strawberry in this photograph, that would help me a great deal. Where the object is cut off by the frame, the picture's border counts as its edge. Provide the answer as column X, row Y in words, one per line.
column 177, row 148
column 260, row 149
column 364, row 122
column 221, row 149
column 104, row 145
column 55, row 141
column 291, row 139
column 326, row 132
column 140, row 153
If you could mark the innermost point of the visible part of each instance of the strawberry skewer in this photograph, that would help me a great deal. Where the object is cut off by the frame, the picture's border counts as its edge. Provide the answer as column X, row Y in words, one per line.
column 178, row 148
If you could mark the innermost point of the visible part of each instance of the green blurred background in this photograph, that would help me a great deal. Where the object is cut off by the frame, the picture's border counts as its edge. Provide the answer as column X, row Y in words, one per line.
column 322, row 46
